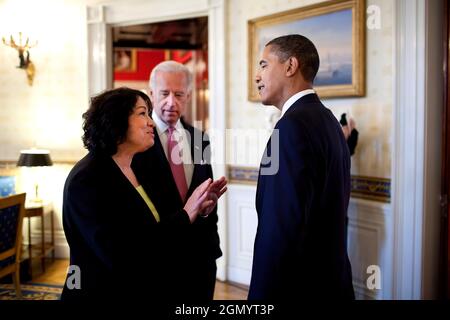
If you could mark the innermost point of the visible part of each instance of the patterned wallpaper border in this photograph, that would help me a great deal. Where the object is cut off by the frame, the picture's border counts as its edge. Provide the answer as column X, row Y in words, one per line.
column 370, row 188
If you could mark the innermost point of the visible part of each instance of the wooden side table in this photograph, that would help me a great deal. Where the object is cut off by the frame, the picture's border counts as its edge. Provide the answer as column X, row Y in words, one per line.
column 43, row 248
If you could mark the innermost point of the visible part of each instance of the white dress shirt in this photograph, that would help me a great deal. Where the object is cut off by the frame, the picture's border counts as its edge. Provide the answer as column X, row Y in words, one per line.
column 294, row 98
column 183, row 142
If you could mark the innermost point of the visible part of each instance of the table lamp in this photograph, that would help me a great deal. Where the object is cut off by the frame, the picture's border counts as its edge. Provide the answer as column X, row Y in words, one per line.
column 35, row 158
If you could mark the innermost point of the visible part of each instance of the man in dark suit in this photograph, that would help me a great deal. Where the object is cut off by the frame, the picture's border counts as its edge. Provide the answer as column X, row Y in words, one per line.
column 180, row 162
column 303, row 188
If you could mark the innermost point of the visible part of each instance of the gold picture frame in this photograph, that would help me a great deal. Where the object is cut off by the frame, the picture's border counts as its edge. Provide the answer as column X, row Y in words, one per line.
column 337, row 28
column 125, row 60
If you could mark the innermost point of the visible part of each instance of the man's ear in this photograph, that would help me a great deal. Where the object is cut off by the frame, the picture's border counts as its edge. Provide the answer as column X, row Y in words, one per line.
column 292, row 66
column 151, row 94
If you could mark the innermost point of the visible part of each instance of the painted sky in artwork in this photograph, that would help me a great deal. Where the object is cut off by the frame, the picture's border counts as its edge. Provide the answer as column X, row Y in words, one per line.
column 332, row 35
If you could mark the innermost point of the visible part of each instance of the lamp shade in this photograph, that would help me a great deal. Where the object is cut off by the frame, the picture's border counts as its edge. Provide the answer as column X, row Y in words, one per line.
column 34, row 158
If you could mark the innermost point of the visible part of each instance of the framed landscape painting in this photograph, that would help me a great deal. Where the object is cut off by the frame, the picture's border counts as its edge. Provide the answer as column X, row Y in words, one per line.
column 337, row 30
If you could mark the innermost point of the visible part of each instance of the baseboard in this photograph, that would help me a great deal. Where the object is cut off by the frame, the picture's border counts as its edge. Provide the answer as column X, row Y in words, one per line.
column 62, row 250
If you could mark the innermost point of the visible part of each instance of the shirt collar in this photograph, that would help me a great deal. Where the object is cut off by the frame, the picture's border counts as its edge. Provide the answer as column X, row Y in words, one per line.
column 162, row 126
column 294, row 98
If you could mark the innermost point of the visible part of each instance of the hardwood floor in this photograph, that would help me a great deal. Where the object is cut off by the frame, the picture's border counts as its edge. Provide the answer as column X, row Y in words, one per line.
column 55, row 273
column 228, row 291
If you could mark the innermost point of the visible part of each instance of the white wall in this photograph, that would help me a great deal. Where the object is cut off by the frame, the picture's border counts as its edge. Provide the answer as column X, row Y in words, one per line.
column 48, row 113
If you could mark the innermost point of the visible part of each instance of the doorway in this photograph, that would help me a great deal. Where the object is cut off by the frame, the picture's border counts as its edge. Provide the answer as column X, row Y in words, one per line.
column 137, row 49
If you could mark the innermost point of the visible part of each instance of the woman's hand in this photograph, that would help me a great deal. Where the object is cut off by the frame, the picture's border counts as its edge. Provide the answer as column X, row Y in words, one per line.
column 215, row 190
column 218, row 187
column 198, row 200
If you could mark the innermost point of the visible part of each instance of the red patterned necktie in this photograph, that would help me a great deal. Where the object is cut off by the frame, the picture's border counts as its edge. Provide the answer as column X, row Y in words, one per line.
column 174, row 154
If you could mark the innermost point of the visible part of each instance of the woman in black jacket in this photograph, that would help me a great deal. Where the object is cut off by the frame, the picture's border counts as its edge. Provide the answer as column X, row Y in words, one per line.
column 118, row 240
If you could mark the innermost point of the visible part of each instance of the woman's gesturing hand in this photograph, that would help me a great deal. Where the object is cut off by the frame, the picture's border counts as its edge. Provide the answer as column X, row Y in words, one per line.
column 198, row 200
column 215, row 190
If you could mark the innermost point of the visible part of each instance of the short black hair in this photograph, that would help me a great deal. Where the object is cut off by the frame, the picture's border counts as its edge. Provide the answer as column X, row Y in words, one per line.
column 105, row 123
column 300, row 47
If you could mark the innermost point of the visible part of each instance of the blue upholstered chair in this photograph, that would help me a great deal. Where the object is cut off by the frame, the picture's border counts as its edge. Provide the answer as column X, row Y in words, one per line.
column 12, row 211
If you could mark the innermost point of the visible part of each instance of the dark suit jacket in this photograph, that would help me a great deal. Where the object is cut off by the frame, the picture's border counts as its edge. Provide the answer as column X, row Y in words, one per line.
column 113, row 237
column 300, row 247
column 196, row 247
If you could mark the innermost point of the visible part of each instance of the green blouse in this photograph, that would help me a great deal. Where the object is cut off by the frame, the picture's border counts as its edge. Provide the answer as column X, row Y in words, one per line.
column 149, row 202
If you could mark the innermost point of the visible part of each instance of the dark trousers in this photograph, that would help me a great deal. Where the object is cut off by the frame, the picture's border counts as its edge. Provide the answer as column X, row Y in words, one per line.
column 200, row 283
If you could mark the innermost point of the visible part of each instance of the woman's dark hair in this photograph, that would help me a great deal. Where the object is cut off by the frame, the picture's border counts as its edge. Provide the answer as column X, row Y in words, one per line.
column 105, row 123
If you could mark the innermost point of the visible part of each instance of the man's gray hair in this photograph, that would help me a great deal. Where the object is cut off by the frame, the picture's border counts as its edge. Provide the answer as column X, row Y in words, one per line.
column 170, row 66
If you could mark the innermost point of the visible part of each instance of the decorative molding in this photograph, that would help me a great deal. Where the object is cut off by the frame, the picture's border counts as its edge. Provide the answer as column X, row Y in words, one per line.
column 242, row 175
column 95, row 14
column 62, row 250
column 242, row 224
column 144, row 11
column 377, row 217
column 368, row 244
column 370, row 188
column 8, row 164
column 217, row 113
column 99, row 59
column 416, row 117
column 369, row 211
column 240, row 275
column 246, row 219
column 407, row 146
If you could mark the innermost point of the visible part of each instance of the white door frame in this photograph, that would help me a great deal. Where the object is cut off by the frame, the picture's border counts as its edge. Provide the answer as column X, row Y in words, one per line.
column 101, row 18
column 416, row 149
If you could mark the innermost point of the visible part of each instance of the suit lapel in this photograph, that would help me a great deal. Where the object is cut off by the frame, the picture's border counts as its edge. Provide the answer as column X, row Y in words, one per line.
column 261, row 178
column 196, row 153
